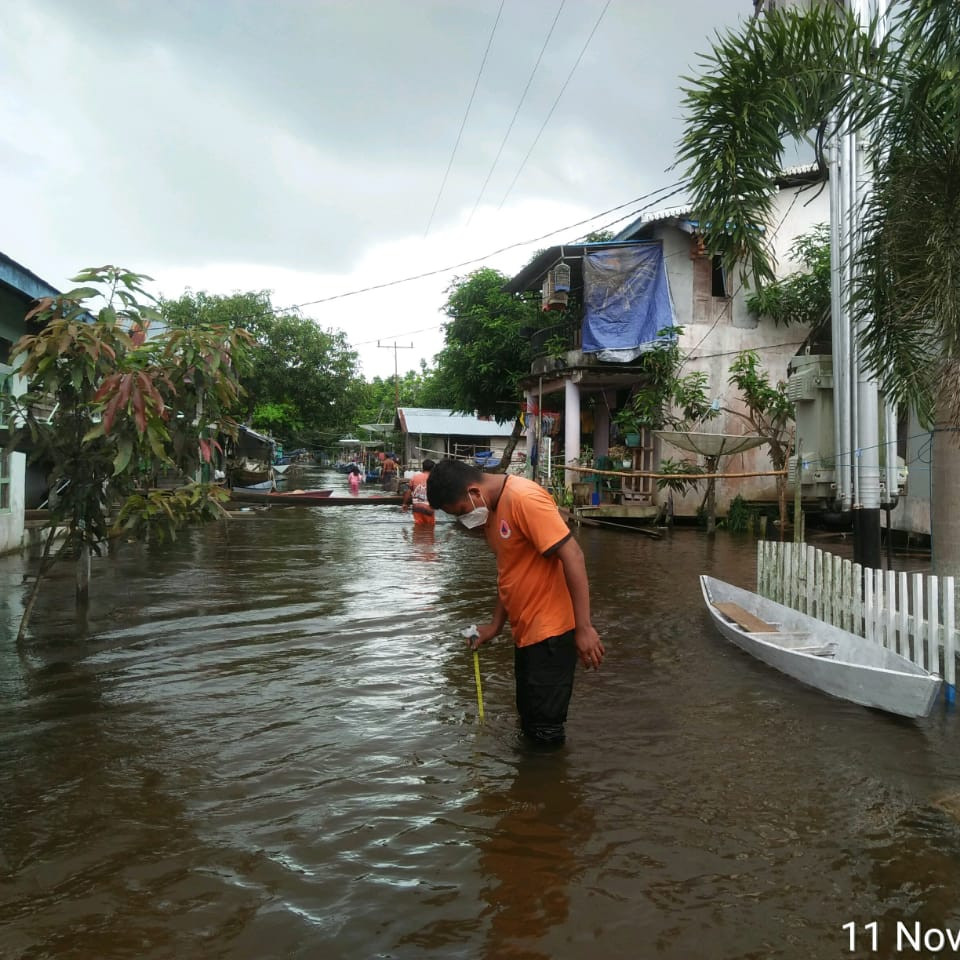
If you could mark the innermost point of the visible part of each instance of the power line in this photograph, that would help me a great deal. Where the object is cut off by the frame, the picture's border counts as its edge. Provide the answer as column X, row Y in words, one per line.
column 463, row 122
column 513, row 246
column 543, row 126
column 516, row 112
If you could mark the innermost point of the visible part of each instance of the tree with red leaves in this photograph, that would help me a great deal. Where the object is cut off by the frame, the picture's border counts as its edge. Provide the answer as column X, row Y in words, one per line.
column 109, row 407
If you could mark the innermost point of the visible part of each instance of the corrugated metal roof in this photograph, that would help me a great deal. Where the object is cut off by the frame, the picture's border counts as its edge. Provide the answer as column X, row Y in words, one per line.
column 443, row 423
column 787, row 177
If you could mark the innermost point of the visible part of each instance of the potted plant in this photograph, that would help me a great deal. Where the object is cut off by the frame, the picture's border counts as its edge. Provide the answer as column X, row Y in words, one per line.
column 628, row 423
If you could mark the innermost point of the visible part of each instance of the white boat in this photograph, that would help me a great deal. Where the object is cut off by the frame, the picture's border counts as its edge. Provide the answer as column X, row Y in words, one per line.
column 818, row 654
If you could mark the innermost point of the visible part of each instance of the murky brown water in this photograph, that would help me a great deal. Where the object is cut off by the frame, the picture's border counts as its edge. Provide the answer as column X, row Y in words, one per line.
column 271, row 750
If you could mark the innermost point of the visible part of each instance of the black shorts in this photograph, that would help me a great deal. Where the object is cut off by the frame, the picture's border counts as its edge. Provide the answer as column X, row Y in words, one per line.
column 544, row 675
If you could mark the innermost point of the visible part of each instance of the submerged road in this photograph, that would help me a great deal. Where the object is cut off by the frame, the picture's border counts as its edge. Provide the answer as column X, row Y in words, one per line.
column 270, row 748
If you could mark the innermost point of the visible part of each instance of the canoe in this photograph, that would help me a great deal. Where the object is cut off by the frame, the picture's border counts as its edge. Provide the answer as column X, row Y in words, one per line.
column 300, row 495
column 310, row 499
column 262, row 487
column 818, row 654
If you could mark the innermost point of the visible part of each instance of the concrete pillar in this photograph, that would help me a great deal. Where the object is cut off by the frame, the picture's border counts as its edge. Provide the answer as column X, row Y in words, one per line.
column 601, row 429
column 531, row 424
column 571, row 432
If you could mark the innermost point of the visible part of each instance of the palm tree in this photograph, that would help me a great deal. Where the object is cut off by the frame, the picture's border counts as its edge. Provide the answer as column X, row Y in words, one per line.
column 793, row 74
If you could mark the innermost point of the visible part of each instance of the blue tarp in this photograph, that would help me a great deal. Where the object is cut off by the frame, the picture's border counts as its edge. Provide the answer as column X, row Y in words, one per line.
column 626, row 301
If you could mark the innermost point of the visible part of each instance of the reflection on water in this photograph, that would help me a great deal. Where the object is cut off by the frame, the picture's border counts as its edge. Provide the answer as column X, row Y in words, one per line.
column 270, row 749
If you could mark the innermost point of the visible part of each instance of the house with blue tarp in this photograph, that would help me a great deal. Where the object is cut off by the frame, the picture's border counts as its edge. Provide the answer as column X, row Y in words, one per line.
column 616, row 300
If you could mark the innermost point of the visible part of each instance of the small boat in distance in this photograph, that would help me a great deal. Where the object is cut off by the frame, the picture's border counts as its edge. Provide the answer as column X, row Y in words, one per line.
column 265, row 486
column 819, row 654
column 301, row 494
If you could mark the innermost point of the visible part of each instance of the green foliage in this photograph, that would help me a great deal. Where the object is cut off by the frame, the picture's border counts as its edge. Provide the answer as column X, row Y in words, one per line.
column 804, row 296
column 423, row 388
column 664, row 398
column 769, row 409
column 598, row 236
column 777, row 77
column 485, row 356
column 679, row 484
column 739, row 515
column 160, row 513
column 301, row 381
column 277, row 419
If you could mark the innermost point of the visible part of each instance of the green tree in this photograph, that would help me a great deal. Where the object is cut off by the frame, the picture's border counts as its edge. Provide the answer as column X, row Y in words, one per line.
column 769, row 414
column 804, row 296
column 125, row 407
column 485, row 356
column 783, row 75
column 303, row 384
column 421, row 388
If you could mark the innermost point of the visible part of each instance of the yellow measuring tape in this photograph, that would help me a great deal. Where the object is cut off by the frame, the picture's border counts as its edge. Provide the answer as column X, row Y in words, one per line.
column 476, row 673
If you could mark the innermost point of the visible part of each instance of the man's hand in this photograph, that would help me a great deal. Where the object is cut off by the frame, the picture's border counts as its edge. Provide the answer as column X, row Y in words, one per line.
column 589, row 647
column 485, row 633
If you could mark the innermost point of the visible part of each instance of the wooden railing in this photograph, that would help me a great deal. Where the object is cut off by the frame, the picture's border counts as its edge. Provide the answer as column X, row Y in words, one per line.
column 911, row 614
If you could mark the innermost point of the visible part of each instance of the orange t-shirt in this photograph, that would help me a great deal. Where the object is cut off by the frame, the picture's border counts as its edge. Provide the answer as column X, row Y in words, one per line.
column 525, row 526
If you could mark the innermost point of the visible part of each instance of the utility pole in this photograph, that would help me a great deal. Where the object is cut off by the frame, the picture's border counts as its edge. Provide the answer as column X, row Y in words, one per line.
column 396, row 375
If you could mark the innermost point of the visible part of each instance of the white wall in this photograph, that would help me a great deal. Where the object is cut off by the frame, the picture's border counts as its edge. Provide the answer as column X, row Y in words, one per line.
column 11, row 521
column 712, row 345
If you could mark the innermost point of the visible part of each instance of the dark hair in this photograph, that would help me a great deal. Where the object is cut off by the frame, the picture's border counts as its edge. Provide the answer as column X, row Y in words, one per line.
column 428, row 465
column 448, row 482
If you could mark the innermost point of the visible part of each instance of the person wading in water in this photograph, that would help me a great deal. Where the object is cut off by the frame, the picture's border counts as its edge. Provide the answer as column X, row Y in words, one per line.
column 542, row 586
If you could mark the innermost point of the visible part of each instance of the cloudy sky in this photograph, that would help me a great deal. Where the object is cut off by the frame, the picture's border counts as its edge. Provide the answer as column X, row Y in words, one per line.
column 306, row 147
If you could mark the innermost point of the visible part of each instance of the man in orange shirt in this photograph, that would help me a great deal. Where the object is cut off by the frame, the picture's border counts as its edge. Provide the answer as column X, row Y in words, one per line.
column 416, row 495
column 542, row 586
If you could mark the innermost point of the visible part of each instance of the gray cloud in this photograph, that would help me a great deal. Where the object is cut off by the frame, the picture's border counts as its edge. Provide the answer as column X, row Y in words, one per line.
column 296, row 133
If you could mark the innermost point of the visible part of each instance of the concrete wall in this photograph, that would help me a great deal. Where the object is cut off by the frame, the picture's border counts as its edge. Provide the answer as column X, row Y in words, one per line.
column 912, row 513
column 712, row 344
column 11, row 518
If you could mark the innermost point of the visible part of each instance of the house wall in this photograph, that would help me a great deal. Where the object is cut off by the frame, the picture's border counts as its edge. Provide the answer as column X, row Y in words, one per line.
column 12, row 516
column 912, row 513
column 712, row 343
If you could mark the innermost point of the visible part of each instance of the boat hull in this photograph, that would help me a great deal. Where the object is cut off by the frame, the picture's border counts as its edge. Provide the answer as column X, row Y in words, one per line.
column 836, row 661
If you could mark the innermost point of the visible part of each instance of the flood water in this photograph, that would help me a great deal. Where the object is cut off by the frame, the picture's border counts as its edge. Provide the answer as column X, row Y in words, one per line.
column 269, row 748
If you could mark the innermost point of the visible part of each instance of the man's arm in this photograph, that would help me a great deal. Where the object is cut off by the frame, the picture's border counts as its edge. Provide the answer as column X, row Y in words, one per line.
column 487, row 631
column 589, row 646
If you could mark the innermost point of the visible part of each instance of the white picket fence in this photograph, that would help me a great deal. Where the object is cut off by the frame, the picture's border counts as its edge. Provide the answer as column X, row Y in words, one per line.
column 911, row 614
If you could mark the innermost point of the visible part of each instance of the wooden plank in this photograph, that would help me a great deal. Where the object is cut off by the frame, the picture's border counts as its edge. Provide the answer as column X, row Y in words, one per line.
column 744, row 618
column 933, row 625
column 949, row 642
column 918, row 644
column 891, row 607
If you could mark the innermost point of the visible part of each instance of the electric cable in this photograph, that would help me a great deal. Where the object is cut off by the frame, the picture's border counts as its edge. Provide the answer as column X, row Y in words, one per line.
column 486, row 256
column 463, row 122
column 543, row 126
column 516, row 112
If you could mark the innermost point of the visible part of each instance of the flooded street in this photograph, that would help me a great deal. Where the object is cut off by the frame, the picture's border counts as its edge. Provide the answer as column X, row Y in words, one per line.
column 271, row 749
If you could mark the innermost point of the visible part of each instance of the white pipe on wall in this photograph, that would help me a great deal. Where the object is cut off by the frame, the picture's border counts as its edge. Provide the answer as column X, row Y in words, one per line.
column 571, row 429
column 839, row 328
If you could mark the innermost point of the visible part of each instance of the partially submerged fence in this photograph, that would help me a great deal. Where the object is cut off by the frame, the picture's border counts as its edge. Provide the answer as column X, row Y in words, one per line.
column 911, row 614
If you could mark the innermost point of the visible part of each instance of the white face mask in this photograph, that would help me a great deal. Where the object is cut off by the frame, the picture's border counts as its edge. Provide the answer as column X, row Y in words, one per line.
column 477, row 517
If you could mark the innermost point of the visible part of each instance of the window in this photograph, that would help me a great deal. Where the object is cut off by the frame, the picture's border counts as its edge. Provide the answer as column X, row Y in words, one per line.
column 710, row 296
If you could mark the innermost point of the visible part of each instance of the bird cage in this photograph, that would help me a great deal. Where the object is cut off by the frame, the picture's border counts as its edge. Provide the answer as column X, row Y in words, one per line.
column 561, row 278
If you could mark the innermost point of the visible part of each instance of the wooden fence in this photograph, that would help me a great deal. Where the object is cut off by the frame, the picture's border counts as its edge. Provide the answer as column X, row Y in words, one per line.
column 911, row 614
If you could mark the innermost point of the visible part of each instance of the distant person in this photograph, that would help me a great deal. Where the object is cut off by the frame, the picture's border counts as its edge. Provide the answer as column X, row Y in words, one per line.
column 415, row 496
column 353, row 478
column 542, row 586
column 388, row 470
